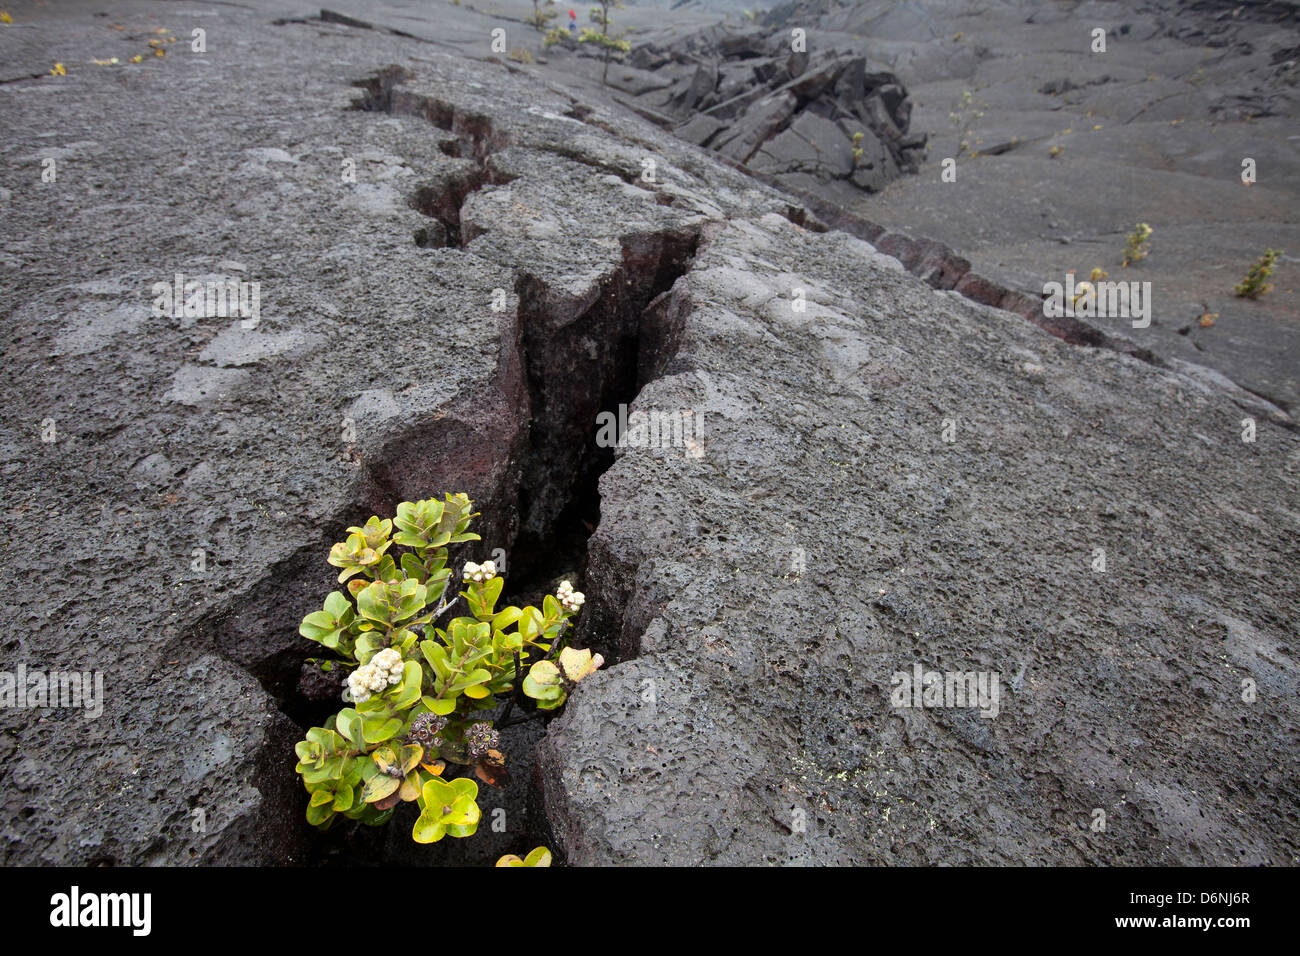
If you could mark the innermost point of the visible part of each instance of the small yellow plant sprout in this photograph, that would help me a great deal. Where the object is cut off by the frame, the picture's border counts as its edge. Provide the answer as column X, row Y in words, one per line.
column 1137, row 249
column 540, row 856
column 1256, row 282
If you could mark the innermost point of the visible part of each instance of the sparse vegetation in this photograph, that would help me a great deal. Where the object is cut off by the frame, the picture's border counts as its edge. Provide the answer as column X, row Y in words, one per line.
column 542, row 17
column 1137, row 248
column 609, row 44
column 968, row 111
column 1256, row 282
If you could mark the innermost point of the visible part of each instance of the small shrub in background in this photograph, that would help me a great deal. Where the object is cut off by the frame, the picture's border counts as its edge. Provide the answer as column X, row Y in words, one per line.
column 1137, row 248
column 1256, row 282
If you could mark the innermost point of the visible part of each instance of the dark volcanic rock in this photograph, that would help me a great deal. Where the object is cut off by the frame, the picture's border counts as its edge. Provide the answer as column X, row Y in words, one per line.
column 790, row 115
column 888, row 475
column 829, row 539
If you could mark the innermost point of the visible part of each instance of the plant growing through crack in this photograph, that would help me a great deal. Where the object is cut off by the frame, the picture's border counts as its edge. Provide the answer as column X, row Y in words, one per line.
column 1137, row 248
column 857, row 147
column 1256, row 282
column 424, row 696
column 609, row 45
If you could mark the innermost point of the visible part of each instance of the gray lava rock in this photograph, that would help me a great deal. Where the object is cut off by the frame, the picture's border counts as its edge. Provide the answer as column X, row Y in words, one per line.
column 888, row 476
column 751, row 81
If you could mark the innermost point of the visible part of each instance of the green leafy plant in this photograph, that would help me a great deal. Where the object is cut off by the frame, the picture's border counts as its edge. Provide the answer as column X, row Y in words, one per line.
column 1256, row 282
column 1137, row 248
column 609, row 45
column 540, row 856
column 424, row 696
column 555, row 36
column 857, row 147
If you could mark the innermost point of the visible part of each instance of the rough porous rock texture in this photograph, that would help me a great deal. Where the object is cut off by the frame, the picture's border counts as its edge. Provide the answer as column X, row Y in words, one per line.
column 820, row 120
column 830, row 537
column 1069, row 145
column 199, row 469
column 888, row 475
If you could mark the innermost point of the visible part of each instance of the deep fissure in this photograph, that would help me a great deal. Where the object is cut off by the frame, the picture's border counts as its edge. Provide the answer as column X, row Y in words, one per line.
column 569, row 385
column 578, row 357
column 475, row 138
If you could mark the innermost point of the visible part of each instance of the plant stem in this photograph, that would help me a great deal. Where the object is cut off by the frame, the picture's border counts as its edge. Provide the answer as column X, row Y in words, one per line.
column 510, row 704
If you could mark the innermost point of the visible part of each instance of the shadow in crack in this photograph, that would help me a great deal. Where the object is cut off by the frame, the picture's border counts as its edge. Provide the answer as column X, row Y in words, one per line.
column 525, row 450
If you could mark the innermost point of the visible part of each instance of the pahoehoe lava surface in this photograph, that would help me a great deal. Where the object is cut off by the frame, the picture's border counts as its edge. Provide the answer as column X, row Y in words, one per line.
column 891, row 474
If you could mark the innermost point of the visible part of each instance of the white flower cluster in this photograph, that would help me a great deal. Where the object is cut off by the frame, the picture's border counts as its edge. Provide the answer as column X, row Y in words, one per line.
column 570, row 599
column 480, row 572
column 383, row 672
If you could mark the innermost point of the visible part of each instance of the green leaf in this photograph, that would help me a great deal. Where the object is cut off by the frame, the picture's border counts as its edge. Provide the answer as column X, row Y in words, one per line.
column 463, row 813
column 504, row 618
column 348, row 723
column 378, row 787
column 428, row 828
column 368, row 645
column 337, row 604
column 436, row 655
column 442, row 706
column 465, row 787
column 387, row 570
column 320, row 815
column 329, row 769
column 377, row 729
column 542, row 677
column 478, row 676
column 437, row 794
column 577, row 664
column 412, row 682
column 374, row 603
column 385, row 759
column 491, row 593
column 411, row 755
column 541, row 856
column 530, row 623
column 344, row 797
